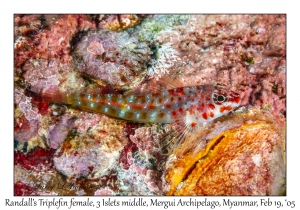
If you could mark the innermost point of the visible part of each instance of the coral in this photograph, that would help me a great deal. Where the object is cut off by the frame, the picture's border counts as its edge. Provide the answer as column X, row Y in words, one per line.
column 24, row 129
column 126, row 156
column 153, row 180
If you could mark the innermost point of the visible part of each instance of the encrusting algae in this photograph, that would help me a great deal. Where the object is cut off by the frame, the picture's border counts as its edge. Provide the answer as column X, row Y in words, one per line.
column 243, row 154
column 74, row 74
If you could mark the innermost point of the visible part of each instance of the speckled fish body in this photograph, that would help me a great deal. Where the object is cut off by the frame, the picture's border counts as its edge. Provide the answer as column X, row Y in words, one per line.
column 192, row 105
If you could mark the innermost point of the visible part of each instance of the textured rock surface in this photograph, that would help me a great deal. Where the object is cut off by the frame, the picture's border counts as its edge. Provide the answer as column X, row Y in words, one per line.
column 62, row 150
column 113, row 57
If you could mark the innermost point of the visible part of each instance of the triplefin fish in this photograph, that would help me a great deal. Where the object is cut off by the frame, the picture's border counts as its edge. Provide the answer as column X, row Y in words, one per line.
column 192, row 105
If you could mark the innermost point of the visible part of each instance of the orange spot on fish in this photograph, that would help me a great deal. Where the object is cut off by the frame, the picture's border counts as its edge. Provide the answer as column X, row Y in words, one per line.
column 199, row 109
column 171, row 92
column 156, row 94
column 211, row 106
column 180, row 91
column 211, row 114
column 151, row 106
column 174, row 114
column 136, row 106
column 161, row 115
column 181, row 110
column 113, row 111
column 114, row 98
column 176, row 92
column 234, row 99
column 193, row 124
column 128, row 115
column 144, row 115
column 143, row 100
column 204, row 115
column 224, row 108
column 168, row 105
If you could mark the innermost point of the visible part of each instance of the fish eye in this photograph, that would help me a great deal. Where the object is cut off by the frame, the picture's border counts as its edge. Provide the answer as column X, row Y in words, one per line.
column 219, row 97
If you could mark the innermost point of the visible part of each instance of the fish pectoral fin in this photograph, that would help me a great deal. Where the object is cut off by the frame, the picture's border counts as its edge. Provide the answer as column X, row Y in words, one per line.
column 173, row 137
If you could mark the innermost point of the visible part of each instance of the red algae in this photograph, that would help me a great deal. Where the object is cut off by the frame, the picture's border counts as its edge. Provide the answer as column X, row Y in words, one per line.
column 20, row 189
column 38, row 160
column 126, row 158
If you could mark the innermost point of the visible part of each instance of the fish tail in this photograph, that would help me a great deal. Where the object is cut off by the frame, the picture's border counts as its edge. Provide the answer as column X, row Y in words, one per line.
column 53, row 94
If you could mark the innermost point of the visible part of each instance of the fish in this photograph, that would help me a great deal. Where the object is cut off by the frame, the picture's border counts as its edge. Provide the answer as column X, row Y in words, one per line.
column 190, row 106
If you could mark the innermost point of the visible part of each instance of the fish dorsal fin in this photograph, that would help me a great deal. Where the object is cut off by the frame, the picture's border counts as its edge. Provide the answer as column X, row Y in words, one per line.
column 154, row 86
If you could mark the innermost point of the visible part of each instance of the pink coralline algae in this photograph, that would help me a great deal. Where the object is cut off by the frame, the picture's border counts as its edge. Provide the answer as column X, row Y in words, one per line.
column 58, row 132
column 142, row 160
column 97, row 155
column 42, row 73
column 92, row 154
column 105, row 191
column 144, row 139
column 113, row 57
column 26, row 117
column 52, row 42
